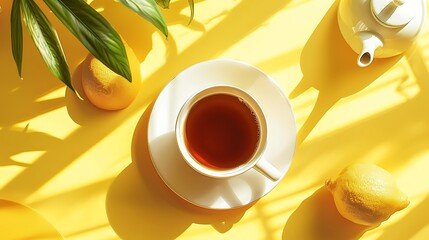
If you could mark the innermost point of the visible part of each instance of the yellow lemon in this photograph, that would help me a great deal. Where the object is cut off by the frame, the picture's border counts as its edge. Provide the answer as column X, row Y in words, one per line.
column 107, row 90
column 366, row 194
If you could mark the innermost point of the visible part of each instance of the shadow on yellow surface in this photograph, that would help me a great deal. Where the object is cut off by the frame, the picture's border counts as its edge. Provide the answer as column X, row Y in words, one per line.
column 39, row 82
column 329, row 65
column 23, row 141
column 25, row 100
column 395, row 138
column 21, row 222
column 19, row 99
column 139, row 204
column 318, row 218
column 22, row 100
column 416, row 220
column 229, row 31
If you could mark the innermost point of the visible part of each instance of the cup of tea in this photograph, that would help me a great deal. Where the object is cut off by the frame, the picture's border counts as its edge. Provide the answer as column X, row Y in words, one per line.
column 221, row 132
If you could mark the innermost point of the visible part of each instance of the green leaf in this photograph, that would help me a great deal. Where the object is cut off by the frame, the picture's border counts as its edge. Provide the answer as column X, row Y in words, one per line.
column 16, row 34
column 94, row 32
column 149, row 10
column 191, row 6
column 163, row 3
column 46, row 40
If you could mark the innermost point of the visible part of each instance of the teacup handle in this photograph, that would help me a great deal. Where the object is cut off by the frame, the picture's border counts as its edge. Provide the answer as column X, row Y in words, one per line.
column 267, row 169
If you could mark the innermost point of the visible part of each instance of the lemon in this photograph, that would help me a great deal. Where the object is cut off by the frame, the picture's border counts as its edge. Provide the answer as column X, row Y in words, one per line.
column 107, row 90
column 366, row 194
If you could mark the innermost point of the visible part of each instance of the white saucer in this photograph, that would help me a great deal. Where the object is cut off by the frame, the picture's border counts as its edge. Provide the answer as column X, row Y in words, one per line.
column 205, row 191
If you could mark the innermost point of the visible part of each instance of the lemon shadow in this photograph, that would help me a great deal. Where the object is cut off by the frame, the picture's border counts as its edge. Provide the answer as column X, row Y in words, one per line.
column 318, row 218
column 139, row 204
column 329, row 65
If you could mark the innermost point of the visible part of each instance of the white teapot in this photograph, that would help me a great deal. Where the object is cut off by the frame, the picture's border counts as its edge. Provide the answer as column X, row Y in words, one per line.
column 380, row 28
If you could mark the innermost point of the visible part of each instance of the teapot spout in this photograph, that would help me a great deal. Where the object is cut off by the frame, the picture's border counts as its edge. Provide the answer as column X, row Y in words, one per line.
column 370, row 43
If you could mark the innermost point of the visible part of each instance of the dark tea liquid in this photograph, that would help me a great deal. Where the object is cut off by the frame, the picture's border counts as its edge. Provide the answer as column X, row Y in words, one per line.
column 221, row 131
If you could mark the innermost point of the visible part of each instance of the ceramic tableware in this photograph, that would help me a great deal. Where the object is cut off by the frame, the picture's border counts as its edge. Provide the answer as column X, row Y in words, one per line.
column 380, row 28
column 241, row 187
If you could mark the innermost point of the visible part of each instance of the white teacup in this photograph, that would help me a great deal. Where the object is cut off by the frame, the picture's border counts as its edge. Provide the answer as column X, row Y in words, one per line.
column 221, row 132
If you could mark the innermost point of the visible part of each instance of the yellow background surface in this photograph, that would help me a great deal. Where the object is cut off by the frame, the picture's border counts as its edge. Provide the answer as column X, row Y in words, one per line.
column 88, row 171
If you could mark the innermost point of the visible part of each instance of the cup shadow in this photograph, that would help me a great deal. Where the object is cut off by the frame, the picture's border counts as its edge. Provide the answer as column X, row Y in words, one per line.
column 318, row 218
column 139, row 204
column 329, row 65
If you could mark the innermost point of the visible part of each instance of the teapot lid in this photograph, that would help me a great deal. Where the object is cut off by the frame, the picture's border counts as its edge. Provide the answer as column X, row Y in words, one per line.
column 394, row 13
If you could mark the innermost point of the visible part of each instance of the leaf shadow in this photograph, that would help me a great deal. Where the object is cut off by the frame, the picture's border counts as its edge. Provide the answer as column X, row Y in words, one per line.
column 213, row 42
column 31, row 98
column 97, row 124
column 20, row 140
column 20, row 99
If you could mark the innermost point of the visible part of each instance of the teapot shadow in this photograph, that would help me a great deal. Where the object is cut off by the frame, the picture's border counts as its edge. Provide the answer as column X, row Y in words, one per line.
column 318, row 218
column 140, row 205
column 329, row 65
